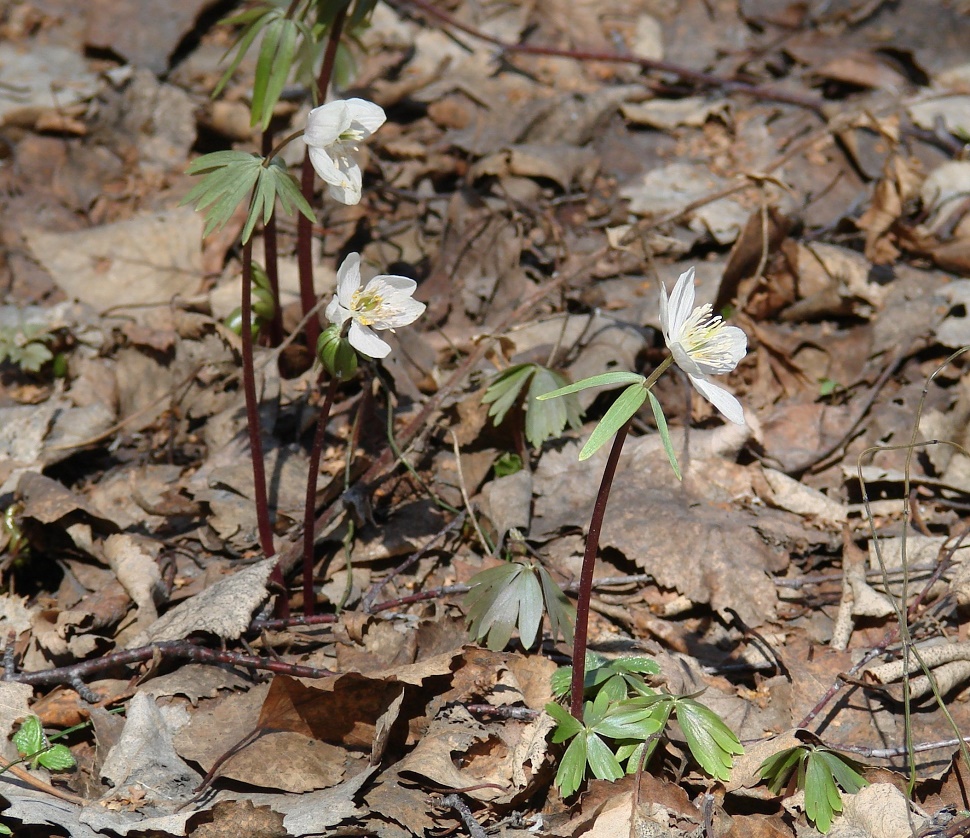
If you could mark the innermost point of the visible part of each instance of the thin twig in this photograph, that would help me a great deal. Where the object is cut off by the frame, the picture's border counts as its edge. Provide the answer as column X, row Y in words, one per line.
column 453, row 801
column 464, row 496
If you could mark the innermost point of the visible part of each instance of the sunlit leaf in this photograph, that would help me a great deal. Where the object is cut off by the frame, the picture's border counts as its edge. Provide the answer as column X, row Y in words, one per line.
column 712, row 743
column 605, row 379
column 661, row 420
column 29, row 739
column 547, row 420
column 57, row 758
column 626, row 406
column 572, row 767
column 504, row 390
column 602, row 762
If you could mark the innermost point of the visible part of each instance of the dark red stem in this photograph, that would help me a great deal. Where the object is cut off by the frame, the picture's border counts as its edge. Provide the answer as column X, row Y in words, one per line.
column 310, row 510
column 270, row 249
column 586, row 575
column 304, row 228
column 252, row 408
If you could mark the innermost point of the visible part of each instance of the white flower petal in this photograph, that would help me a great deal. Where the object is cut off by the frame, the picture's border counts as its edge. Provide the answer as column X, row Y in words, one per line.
column 681, row 303
column 325, row 124
column 347, row 190
column 720, row 398
column 366, row 114
column 348, row 279
column 349, row 195
column 365, row 340
column 336, row 313
column 324, row 166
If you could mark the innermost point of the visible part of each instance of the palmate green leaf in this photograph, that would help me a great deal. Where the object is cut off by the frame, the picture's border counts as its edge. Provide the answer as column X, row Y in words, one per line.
column 253, row 21
column 626, row 405
column 562, row 613
column 33, row 356
column 605, row 379
column 499, row 601
column 504, row 390
column 227, row 177
column 712, row 743
column 567, row 726
column 822, row 798
column 57, row 758
column 572, row 767
column 843, row 770
column 601, row 759
column 547, row 420
column 777, row 768
column 29, row 739
column 661, row 420
column 273, row 67
column 624, row 720
column 273, row 182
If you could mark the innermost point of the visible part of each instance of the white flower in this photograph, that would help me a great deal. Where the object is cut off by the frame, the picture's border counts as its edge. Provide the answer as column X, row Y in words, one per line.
column 333, row 133
column 702, row 344
column 384, row 303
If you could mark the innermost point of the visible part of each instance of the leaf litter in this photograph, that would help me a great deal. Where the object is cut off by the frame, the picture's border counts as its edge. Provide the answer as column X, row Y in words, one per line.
column 828, row 217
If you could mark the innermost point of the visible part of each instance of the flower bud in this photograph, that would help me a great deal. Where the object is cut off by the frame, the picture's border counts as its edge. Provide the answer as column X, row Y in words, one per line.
column 234, row 322
column 336, row 354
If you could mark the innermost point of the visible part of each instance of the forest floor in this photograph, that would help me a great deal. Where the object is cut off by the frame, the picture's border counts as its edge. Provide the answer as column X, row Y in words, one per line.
column 545, row 167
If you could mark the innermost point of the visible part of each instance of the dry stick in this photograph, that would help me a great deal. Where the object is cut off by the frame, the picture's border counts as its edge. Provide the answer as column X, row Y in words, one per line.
column 453, row 801
column 727, row 85
column 24, row 775
column 455, row 523
column 310, row 510
column 304, row 252
column 888, row 639
column 171, row 649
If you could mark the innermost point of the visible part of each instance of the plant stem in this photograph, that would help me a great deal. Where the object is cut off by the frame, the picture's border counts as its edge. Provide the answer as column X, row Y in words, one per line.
column 270, row 251
column 252, row 408
column 309, row 512
column 586, row 575
column 303, row 226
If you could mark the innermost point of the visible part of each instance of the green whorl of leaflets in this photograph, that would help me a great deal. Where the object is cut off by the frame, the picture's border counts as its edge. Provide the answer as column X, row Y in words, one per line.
column 819, row 770
column 516, row 594
column 621, row 411
column 624, row 715
column 229, row 176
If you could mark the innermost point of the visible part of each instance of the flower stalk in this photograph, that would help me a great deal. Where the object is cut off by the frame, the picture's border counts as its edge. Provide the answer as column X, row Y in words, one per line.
column 581, row 633
column 309, row 512
column 304, row 229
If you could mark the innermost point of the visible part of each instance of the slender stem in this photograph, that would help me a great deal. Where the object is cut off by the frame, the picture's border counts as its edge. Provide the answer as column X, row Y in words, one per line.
column 252, row 407
column 304, row 228
column 271, row 251
column 309, row 512
column 586, row 575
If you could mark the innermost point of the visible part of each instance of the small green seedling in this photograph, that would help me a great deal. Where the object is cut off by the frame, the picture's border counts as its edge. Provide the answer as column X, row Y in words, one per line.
column 26, row 346
column 34, row 747
column 263, row 306
column 623, row 721
column 819, row 770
